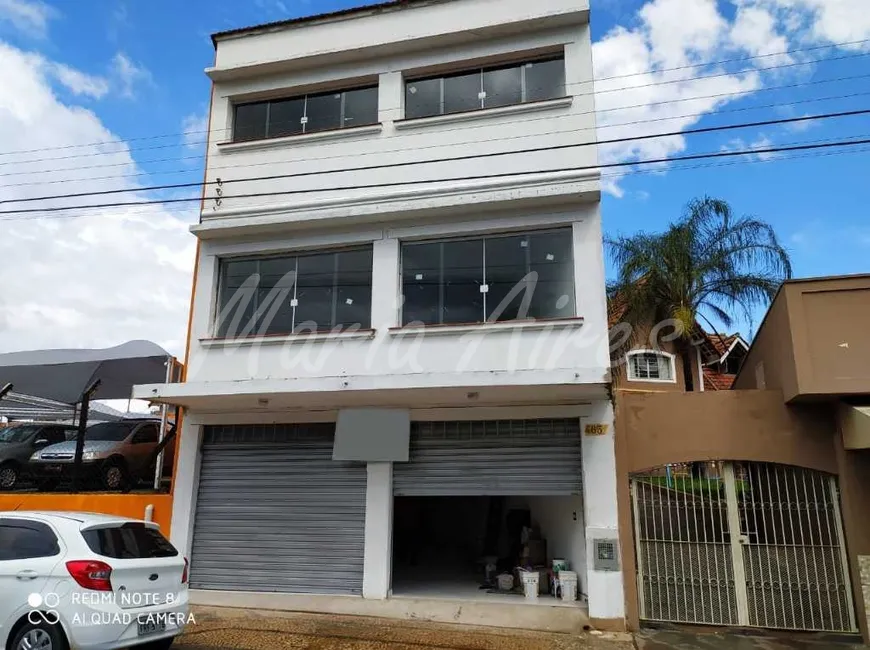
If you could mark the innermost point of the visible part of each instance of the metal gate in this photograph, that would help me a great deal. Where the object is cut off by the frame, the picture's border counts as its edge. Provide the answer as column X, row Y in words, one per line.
column 492, row 457
column 276, row 513
column 749, row 544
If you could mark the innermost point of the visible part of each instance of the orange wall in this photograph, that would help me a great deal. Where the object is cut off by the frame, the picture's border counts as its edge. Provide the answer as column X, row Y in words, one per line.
column 125, row 505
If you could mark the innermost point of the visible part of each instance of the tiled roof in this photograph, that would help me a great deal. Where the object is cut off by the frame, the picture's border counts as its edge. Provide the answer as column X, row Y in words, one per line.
column 714, row 380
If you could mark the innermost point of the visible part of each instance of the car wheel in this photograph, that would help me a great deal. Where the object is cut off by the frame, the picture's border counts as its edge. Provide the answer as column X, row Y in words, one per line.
column 115, row 477
column 162, row 644
column 38, row 636
column 8, row 476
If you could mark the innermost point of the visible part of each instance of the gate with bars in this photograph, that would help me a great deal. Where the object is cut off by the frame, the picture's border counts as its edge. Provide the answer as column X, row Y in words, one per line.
column 745, row 544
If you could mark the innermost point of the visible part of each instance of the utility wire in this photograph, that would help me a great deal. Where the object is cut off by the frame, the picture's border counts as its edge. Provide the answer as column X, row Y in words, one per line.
column 198, row 170
column 719, row 154
column 451, row 159
column 443, row 131
column 594, row 80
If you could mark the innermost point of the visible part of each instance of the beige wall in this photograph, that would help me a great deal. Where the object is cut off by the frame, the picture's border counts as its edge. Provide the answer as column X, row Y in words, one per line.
column 659, row 428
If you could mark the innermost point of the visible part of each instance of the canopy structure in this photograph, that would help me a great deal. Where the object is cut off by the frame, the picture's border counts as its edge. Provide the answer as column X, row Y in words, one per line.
column 15, row 407
column 63, row 375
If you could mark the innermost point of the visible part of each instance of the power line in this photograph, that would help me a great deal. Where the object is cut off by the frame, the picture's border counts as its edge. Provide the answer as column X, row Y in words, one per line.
column 443, row 146
column 704, row 156
column 594, row 80
column 443, row 131
column 707, row 129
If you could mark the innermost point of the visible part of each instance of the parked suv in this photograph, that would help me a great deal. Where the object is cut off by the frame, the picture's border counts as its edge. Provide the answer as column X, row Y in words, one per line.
column 116, row 454
column 18, row 443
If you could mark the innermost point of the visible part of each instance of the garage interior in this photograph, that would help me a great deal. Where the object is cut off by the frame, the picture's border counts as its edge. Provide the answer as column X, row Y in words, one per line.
column 456, row 546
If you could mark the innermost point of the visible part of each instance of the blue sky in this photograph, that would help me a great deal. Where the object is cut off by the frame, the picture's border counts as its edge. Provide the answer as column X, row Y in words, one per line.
column 131, row 69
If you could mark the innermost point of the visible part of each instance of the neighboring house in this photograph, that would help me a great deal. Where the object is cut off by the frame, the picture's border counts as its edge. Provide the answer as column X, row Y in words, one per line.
column 781, row 504
column 399, row 313
column 722, row 366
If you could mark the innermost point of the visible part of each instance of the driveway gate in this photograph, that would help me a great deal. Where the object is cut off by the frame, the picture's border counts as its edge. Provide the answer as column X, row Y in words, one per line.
column 749, row 544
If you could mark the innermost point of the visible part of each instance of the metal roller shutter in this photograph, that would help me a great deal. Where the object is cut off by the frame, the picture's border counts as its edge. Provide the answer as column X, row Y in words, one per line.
column 503, row 457
column 276, row 513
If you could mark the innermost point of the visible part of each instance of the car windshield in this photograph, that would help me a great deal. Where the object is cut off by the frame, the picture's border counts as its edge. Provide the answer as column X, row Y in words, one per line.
column 17, row 434
column 111, row 431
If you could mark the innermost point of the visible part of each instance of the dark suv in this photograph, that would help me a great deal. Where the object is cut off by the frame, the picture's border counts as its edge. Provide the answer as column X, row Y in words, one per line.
column 19, row 442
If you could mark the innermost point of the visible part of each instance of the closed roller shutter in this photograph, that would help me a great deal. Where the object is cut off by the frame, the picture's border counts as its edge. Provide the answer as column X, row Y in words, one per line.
column 503, row 457
column 276, row 513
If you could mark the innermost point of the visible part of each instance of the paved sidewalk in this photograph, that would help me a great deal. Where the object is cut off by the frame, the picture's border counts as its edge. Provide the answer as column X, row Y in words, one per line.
column 682, row 640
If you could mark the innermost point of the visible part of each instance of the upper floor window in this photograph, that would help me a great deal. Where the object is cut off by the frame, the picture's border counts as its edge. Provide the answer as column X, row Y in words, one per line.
column 644, row 365
column 485, row 88
column 295, row 293
column 305, row 114
column 489, row 279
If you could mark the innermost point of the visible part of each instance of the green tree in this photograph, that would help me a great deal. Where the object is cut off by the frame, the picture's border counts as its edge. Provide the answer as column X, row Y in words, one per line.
column 707, row 265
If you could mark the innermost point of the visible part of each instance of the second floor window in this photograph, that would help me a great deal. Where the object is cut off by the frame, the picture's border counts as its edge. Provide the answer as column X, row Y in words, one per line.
column 486, row 88
column 305, row 114
column 651, row 366
column 489, row 279
column 295, row 293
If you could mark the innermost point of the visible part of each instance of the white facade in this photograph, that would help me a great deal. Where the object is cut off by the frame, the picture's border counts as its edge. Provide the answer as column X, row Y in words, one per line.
column 472, row 371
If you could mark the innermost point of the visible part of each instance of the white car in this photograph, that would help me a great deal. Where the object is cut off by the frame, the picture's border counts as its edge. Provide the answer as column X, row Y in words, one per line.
column 89, row 582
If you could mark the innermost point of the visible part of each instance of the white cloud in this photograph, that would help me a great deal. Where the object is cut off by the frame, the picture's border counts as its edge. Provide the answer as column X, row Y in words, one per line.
column 129, row 74
column 78, row 82
column 761, row 142
column 29, row 16
column 824, row 21
column 195, row 130
column 80, row 280
column 754, row 30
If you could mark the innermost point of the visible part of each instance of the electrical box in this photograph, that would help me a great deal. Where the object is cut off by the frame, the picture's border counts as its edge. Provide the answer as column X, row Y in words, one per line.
column 605, row 554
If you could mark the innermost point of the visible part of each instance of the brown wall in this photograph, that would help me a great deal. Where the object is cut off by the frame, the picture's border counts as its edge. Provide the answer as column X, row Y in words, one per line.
column 642, row 342
column 813, row 341
column 655, row 429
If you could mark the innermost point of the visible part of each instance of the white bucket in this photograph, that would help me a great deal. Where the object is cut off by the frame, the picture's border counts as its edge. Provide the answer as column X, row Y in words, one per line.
column 568, row 582
column 505, row 582
column 531, row 582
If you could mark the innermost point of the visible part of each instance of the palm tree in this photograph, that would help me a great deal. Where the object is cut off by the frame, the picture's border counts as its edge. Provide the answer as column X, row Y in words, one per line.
column 708, row 264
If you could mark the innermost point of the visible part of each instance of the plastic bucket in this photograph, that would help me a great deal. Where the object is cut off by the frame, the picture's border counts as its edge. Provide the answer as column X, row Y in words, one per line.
column 531, row 584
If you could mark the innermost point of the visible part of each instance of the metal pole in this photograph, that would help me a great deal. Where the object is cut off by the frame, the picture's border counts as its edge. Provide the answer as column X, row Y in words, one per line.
column 80, row 437
column 5, row 390
column 164, row 411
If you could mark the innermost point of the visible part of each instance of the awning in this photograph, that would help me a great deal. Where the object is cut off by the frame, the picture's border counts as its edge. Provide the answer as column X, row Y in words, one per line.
column 63, row 375
column 855, row 425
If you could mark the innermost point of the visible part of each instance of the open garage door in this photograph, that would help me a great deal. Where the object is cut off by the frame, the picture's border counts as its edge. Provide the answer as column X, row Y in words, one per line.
column 276, row 513
column 492, row 457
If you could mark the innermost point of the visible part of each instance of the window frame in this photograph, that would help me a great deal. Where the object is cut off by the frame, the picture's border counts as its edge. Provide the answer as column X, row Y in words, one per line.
column 235, row 104
column 671, row 358
column 291, row 254
column 484, row 236
column 481, row 70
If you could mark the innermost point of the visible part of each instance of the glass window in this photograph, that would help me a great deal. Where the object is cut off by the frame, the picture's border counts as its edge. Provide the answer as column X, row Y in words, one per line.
column 306, row 114
column 21, row 539
column 314, row 292
column 250, row 121
column 360, row 107
column 498, row 278
column 148, row 433
column 423, row 98
column 128, row 541
column 323, row 112
column 462, row 92
column 109, row 431
column 503, row 87
column 285, row 117
column 645, row 366
column 544, row 80
column 528, row 81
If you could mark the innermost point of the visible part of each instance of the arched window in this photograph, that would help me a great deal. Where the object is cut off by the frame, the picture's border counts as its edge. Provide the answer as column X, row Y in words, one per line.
column 651, row 365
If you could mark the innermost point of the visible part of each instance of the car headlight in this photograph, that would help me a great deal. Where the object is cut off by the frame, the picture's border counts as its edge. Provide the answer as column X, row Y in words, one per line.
column 35, row 456
column 89, row 455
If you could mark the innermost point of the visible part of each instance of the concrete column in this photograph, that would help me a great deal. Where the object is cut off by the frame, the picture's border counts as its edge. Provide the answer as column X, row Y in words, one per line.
column 379, row 531
column 391, row 96
column 605, row 588
column 185, row 486
column 385, row 285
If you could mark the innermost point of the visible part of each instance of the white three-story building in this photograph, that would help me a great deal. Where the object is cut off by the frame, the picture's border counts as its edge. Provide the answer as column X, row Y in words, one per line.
column 398, row 370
